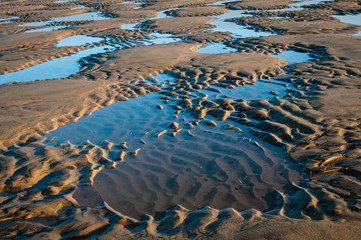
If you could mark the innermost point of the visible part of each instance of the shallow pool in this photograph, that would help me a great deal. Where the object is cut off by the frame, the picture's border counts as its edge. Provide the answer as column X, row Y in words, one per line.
column 56, row 68
column 293, row 56
column 216, row 48
column 78, row 40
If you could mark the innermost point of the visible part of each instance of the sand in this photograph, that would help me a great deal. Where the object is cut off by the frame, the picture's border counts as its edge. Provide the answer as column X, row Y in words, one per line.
column 299, row 154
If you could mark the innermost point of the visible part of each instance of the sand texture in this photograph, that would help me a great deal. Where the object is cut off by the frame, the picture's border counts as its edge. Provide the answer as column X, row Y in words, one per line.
column 153, row 139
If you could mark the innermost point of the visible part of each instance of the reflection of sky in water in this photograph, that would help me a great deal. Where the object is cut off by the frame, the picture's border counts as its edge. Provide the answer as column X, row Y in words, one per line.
column 216, row 48
column 160, row 79
column 221, row 25
column 293, row 57
column 260, row 90
column 47, row 29
column 220, row 3
column 56, row 68
column 358, row 34
column 113, row 123
column 9, row 18
column 160, row 14
column 65, row 1
column 90, row 16
column 78, row 40
column 135, row 3
column 352, row 19
column 129, row 26
column 79, row 7
column 159, row 38
column 299, row 5
column 307, row 2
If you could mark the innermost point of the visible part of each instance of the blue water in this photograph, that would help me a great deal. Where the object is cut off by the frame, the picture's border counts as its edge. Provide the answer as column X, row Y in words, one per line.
column 352, row 19
column 293, row 57
column 78, row 40
column 216, row 48
column 258, row 91
column 56, row 68
column 90, row 16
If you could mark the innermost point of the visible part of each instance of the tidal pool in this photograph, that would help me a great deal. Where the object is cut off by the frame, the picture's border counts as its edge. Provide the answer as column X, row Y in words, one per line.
column 220, row 3
column 90, row 16
column 352, row 19
column 299, row 6
column 357, row 34
column 293, row 56
column 7, row 20
column 78, row 40
column 133, row 26
column 238, row 31
column 196, row 167
column 160, row 38
column 265, row 89
column 216, row 48
column 47, row 29
column 65, row 1
column 56, row 68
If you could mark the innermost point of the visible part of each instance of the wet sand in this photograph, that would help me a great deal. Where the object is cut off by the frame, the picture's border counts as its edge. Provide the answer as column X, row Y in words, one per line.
column 198, row 165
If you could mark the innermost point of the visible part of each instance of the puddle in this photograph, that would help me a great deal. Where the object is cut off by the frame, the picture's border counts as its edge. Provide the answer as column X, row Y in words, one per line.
column 160, row 79
column 79, row 7
column 302, row 3
column 56, row 68
column 90, row 16
column 129, row 26
column 78, row 40
column 113, row 124
column 299, row 6
column 132, row 2
column 279, row 17
column 226, row 165
column 99, row 126
column 352, row 19
column 216, row 48
column 135, row 3
column 221, row 25
column 262, row 89
column 133, row 26
column 220, row 3
column 8, row 20
column 159, row 38
column 47, row 29
column 293, row 57
column 65, row 1
column 357, row 34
